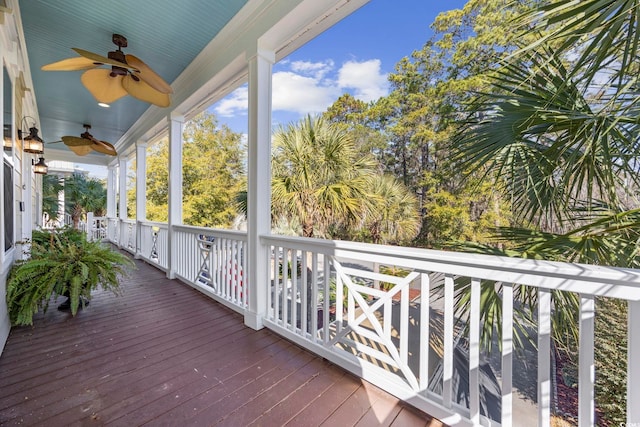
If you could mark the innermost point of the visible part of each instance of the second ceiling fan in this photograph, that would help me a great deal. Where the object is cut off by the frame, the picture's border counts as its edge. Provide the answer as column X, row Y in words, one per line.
column 127, row 75
column 86, row 143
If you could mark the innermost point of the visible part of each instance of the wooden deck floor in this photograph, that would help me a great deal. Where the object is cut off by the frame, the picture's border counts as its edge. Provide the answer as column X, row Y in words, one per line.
column 164, row 354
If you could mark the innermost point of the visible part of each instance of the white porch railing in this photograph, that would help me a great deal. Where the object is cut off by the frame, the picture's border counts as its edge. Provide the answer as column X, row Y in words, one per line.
column 214, row 261
column 97, row 227
column 127, row 240
column 154, row 243
column 324, row 297
column 113, row 229
column 368, row 309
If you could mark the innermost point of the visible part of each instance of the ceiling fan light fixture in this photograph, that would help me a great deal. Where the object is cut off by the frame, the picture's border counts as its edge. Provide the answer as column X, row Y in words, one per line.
column 104, row 87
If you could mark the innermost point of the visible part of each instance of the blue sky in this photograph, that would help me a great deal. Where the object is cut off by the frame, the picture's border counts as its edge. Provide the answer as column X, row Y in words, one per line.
column 355, row 56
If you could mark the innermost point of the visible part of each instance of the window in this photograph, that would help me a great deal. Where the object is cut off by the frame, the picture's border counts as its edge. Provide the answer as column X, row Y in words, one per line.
column 8, row 206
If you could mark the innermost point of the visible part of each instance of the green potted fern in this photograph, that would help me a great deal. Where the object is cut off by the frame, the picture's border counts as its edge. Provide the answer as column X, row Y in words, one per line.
column 62, row 263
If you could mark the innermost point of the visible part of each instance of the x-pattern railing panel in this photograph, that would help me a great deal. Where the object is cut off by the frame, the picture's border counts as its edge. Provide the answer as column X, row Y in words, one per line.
column 360, row 310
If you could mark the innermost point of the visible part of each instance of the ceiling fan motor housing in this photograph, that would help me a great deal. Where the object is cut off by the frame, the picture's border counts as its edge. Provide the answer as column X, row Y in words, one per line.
column 118, row 55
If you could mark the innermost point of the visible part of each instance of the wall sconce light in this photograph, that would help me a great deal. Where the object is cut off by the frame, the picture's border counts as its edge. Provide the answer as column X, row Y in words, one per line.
column 31, row 143
column 40, row 167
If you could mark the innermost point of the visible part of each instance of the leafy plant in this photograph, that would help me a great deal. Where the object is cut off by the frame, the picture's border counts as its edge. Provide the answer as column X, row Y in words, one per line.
column 62, row 263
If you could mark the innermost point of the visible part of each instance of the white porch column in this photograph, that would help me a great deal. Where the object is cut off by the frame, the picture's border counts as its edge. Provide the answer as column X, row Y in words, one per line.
column 259, row 184
column 141, row 191
column 122, row 188
column 122, row 199
column 61, row 203
column 111, row 191
column 27, row 197
column 176, row 124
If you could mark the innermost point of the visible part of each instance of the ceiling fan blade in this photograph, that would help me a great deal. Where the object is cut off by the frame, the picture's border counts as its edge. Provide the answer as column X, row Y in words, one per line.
column 70, row 64
column 74, row 141
column 142, row 91
column 103, row 147
column 81, row 150
column 147, row 75
column 102, row 86
column 99, row 59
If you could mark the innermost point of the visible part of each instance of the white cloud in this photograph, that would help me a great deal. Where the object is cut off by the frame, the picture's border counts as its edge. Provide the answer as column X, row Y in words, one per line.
column 316, row 69
column 306, row 87
column 237, row 102
column 301, row 94
column 365, row 78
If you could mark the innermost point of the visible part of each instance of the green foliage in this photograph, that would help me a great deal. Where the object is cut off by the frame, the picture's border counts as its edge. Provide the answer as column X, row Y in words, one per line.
column 82, row 195
column 51, row 186
column 557, row 130
column 319, row 177
column 42, row 240
column 323, row 181
column 465, row 212
column 395, row 214
column 212, row 171
column 391, row 271
column 409, row 130
column 610, row 350
column 63, row 263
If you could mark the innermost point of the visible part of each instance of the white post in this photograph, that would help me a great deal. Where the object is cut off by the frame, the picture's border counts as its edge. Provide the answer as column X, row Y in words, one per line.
column 122, row 199
column 111, row 192
column 633, row 367
column 141, row 191
column 90, row 227
column 61, row 202
column 586, row 366
column 176, row 124
column 259, row 184
column 27, row 197
column 507, row 354
column 544, row 357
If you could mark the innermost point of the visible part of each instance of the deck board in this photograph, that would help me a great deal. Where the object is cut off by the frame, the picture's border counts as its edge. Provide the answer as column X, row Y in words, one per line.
column 163, row 354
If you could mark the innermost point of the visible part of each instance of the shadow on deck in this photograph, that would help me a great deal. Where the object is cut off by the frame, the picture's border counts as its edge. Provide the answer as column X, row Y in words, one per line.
column 164, row 354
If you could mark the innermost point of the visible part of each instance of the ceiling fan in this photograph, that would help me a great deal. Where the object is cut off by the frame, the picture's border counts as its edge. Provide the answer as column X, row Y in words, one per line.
column 127, row 75
column 86, row 143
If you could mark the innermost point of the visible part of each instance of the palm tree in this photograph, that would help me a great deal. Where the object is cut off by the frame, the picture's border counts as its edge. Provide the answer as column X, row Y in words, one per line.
column 84, row 195
column 51, row 187
column 559, row 132
column 396, row 217
column 319, row 177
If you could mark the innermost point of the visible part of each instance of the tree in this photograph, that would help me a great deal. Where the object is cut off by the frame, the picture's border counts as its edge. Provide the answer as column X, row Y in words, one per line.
column 395, row 217
column 561, row 135
column 320, row 177
column 558, row 130
column 212, row 171
column 51, row 187
column 82, row 195
column 409, row 130
column 158, row 181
